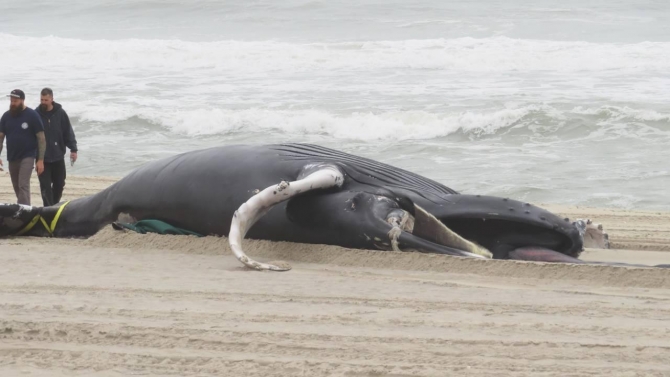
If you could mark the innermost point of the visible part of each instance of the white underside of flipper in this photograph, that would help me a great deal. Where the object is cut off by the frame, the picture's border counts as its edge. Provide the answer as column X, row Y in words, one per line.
column 258, row 205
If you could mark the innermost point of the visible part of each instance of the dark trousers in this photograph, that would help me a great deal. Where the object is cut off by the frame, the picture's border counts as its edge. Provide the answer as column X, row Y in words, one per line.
column 52, row 182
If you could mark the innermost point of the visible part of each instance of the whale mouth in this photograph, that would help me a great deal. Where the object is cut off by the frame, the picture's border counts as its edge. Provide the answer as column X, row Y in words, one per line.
column 501, row 236
column 488, row 235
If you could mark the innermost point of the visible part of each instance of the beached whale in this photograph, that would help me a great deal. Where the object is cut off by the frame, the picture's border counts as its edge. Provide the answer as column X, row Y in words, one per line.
column 312, row 194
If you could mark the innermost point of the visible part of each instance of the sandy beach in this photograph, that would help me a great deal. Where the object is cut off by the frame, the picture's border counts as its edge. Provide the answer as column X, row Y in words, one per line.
column 121, row 304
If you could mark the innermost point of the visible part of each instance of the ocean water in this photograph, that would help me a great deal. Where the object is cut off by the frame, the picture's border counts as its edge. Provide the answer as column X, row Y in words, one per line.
column 546, row 101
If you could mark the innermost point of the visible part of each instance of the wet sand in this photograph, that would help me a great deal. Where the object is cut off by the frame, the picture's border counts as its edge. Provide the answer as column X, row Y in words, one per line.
column 122, row 303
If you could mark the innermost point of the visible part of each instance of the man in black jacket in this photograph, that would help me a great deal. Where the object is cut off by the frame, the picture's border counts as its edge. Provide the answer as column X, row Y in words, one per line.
column 59, row 134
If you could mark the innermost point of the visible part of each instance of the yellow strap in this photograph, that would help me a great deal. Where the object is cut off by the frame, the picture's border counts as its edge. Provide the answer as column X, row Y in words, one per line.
column 55, row 220
column 46, row 226
column 30, row 225
column 37, row 218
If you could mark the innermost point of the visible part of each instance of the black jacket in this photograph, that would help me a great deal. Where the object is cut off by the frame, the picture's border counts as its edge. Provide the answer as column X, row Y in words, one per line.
column 58, row 132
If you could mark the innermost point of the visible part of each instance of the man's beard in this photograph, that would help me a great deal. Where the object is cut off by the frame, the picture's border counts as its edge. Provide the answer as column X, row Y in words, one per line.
column 15, row 110
column 43, row 107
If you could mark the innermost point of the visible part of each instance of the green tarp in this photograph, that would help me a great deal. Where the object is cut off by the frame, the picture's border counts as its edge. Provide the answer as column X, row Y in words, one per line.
column 153, row 226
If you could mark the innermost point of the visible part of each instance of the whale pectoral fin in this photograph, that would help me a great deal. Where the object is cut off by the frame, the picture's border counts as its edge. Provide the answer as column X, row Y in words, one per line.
column 312, row 178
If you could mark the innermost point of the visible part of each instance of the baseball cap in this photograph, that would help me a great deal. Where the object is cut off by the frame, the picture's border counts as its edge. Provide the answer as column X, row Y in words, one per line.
column 17, row 93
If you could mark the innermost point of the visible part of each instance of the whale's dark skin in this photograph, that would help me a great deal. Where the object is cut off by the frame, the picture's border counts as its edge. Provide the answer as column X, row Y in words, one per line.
column 201, row 190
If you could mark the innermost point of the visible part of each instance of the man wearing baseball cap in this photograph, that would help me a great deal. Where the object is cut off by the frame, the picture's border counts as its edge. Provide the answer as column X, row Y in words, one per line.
column 25, row 142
